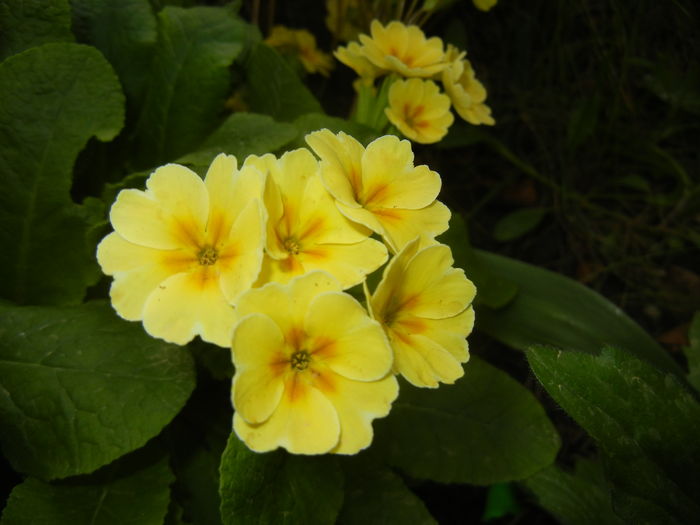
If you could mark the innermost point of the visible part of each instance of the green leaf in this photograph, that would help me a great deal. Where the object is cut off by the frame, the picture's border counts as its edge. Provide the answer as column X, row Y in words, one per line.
column 32, row 23
column 54, row 98
column 124, row 31
column 277, row 487
column 518, row 223
column 189, row 81
column 81, row 387
column 486, row 428
column 127, row 493
column 242, row 134
column 314, row 121
column 275, row 89
column 552, row 309
column 645, row 421
column 375, row 494
column 692, row 352
column 575, row 498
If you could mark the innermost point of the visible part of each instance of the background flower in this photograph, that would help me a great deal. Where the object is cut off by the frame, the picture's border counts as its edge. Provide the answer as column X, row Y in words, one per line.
column 301, row 44
column 419, row 110
column 465, row 91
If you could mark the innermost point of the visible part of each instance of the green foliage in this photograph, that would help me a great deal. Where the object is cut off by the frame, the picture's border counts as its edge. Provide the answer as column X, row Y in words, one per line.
column 130, row 492
column 518, row 223
column 31, row 23
column 81, row 387
column 692, row 352
column 277, row 487
column 274, row 88
column 484, row 429
column 645, row 421
column 41, row 132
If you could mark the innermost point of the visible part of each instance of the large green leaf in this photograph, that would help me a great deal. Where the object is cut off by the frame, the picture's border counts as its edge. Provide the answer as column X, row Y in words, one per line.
column 552, row 309
column 692, row 352
column 275, row 89
column 127, row 493
column 242, row 134
column 375, row 494
column 189, row 81
column 54, row 98
column 646, row 422
column 575, row 498
column 484, row 429
column 277, row 487
column 124, row 31
column 80, row 387
column 32, row 23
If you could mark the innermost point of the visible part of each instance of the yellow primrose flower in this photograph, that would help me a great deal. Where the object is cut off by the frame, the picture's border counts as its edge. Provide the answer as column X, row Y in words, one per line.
column 419, row 110
column 184, row 249
column 312, row 369
column 380, row 188
column 403, row 49
column 302, row 44
column 424, row 304
column 353, row 57
column 465, row 91
column 305, row 230
column 484, row 5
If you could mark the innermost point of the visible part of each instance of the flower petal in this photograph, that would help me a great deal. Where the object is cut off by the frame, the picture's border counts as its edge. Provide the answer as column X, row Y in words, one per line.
column 402, row 226
column 451, row 333
column 344, row 338
column 260, row 363
column 189, row 304
column 422, row 361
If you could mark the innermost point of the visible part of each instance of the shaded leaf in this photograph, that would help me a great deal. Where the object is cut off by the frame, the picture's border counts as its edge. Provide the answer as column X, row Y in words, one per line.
column 692, row 352
column 518, row 223
column 32, row 23
column 645, row 421
column 81, row 387
column 242, row 134
column 54, row 98
column 277, row 487
column 484, row 429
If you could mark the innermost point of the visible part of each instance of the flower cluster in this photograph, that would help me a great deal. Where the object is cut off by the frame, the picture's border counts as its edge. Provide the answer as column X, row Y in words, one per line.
column 260, row 258
column 414, row 63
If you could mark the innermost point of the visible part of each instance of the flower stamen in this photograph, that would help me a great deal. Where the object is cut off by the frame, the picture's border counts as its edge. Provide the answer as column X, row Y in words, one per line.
column 207, row 256
column 292, row 246
column 300, row 360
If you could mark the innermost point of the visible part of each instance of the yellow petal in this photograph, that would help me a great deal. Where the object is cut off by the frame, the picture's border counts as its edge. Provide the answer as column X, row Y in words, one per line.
column 304, row 422
column 344, row 338
column 190, row 304
column 362, row 216
column 422, row 361
column 451, row 333
column 387, row 296
column 402, row 226
column 260, row 363
column 220, row 186
column 357, row 404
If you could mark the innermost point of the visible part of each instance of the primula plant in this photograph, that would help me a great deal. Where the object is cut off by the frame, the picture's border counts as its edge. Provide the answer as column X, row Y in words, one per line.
column 241, row 283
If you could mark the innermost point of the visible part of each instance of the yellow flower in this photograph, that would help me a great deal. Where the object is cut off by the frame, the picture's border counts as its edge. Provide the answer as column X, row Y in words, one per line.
column 484, row 5
column 353, row 57
column 425, row 307
column 465, row 91
column 419, row 110
column 302, row 44
column 312, row 369
column 403, row 49
column 185, row 249
column 380, row 188
column 305, row 230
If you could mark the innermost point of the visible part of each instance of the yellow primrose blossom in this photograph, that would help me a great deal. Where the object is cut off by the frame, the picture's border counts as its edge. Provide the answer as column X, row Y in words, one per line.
column 419, row 110
column 380, row 188
column 353, row 57
column 484, row 5
column 424, row 304
column 403, row 49
column 305, row 230
column 312, row 369
column 465, row 91
column 184, row 249
column 302, row 44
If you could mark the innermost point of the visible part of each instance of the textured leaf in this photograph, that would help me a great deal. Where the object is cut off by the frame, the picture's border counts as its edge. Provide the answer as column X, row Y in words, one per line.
column 124, row 31
column 189, row 81
column 646, row 422
column 54, row 98
column 32, row 23
column 484, row 429
column 277, row 487
column 122, row 494
column 81, row 387
column 552, row 309
column 275, row 89
column 374, row 494
column 518, row 223
column 692, row 352
column 242, row 134
column 575, row 498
